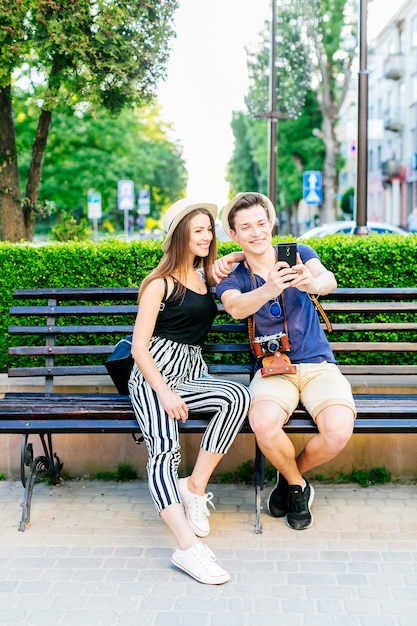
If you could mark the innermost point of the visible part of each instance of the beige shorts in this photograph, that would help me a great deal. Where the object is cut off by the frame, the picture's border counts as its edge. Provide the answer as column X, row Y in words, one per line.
column 315, row 385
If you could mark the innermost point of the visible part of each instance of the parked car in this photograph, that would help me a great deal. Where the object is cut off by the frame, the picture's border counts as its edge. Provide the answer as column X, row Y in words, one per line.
column 347, row 228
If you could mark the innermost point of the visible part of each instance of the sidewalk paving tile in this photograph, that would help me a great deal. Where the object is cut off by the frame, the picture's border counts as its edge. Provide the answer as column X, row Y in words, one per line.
column 97, row 553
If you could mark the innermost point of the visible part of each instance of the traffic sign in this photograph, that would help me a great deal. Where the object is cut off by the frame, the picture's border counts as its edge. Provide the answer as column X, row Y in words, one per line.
column 312, row 187
column 144, row 202
column 94, row 204
column 126, row 195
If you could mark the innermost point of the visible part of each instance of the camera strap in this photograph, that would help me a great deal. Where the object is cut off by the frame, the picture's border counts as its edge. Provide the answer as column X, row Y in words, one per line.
column 272, row 364
column 322, row 312
column 251, row 319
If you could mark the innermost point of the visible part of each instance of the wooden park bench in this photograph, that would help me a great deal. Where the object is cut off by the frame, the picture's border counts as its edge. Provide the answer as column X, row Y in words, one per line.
column 71, row 332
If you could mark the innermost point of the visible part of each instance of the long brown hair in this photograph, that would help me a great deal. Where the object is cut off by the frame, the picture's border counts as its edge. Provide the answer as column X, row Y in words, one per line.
column 175, row 260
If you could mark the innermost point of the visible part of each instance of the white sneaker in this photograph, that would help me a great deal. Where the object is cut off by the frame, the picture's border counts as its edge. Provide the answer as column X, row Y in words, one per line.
column 196, row 509
column 199, row 562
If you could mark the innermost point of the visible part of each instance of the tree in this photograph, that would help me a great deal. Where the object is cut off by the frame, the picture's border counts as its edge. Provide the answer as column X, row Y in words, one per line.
column 243, row 169
column 331, row 30
column 292, row 65
column 87, row 150
column 101, row 52
column 314, row 58
column 298, row 150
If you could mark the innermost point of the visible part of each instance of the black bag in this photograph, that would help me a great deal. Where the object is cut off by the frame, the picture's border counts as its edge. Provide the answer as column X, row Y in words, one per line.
column 120, row 363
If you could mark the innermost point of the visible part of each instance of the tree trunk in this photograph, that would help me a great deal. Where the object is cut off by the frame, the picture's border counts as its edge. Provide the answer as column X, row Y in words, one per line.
column 330, row 179
column 35, row 171
column 330, row 101
column 11, row 214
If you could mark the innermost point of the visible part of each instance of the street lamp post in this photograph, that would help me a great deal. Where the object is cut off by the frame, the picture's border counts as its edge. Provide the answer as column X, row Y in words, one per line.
column 362, row 143
column 272, row 118
column 287, row 102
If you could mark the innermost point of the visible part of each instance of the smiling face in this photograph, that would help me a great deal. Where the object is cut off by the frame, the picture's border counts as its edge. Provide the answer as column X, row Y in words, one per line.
column 252, row 229
column 200, row 235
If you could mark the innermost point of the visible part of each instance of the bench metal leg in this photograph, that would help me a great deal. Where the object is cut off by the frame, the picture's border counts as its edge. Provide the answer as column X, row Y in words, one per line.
column 47, row 466
column 259, row 485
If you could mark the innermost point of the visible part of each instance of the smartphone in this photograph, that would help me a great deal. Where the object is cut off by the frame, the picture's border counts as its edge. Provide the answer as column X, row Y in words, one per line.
column 288, row 252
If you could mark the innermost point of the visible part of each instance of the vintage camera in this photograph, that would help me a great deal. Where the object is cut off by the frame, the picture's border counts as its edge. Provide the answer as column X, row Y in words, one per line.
column 271, row 344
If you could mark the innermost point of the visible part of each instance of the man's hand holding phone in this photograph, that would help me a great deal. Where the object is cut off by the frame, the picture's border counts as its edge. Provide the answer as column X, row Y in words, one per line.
column 287, row 253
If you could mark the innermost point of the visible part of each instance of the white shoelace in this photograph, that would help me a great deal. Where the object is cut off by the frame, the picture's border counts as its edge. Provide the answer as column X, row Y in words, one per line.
column 208, row 500
column 210, row 554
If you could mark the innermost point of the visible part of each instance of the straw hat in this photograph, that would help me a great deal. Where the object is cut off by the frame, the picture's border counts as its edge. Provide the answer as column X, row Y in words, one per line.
column 178, row 211
column 229, row 206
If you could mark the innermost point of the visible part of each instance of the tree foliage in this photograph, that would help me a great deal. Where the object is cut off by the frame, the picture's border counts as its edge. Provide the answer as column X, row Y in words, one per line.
column 332, row 29
column 87, row 150
column 313, row 70
column 297, row 150
column 292, row 64
column 104, row 52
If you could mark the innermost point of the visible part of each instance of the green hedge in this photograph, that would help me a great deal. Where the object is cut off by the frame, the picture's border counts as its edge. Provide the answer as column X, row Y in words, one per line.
column 378, row 261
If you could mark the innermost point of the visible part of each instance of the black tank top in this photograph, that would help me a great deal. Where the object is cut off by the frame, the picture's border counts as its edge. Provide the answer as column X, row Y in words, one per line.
column 186, row 319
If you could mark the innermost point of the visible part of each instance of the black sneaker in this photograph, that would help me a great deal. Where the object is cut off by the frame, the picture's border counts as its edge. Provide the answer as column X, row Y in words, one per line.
column 278, row 498
column 299, row 515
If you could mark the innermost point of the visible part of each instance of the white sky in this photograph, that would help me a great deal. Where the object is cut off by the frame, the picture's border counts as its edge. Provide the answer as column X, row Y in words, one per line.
column 207, row 80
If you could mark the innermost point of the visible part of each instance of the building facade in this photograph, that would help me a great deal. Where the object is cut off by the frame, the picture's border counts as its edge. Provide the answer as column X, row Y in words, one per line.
column 392, row 113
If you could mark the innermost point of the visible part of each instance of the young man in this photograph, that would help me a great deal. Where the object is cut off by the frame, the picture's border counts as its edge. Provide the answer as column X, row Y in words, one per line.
column 277, row 299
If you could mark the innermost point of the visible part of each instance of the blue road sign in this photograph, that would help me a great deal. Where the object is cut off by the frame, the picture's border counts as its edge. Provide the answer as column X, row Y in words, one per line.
column 312, row 187
column 144, row 202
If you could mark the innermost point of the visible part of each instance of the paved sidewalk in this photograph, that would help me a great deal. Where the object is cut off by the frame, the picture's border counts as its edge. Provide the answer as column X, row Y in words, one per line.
column 97, row 553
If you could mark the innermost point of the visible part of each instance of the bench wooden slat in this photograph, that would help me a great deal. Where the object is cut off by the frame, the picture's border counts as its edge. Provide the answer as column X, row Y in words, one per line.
column 102, row 293
column 369, row 307
column 374, row 326
column 373, row 346
column 378, row 370
column 294, row 426
column 55, row 350
column 79, row 309
column 58, row 370
column 71, row 330
column 372, row 293
column 88, row 329
column 111, row 403
column 112, row 413
column 77, row 293
column 100, row 370
column 123, row 309
column 60, row 350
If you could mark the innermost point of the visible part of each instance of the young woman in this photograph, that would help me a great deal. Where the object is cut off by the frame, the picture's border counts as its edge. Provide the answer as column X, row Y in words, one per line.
column 169, row 378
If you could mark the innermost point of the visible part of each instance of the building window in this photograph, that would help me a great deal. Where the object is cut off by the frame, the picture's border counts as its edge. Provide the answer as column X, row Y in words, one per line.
column 414, row 87
column 401, row 41
column 414, row 32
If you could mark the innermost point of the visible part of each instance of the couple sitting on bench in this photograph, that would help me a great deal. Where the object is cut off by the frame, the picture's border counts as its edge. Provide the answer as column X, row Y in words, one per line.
column 169, row 374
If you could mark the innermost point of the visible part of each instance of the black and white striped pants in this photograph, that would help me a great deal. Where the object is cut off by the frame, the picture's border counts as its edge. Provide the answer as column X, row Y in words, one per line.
column 184, row 370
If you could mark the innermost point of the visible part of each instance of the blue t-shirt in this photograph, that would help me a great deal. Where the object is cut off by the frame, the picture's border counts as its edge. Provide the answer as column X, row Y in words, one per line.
column 308, row 341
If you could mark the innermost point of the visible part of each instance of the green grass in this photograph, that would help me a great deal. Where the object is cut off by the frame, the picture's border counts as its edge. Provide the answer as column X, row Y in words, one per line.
column 245, row 474
column 364, row 478
column 124, row 474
